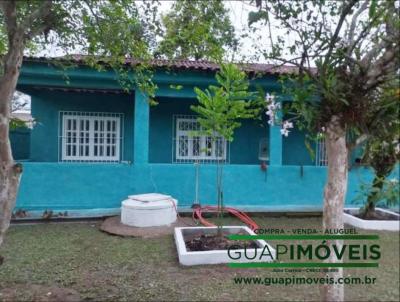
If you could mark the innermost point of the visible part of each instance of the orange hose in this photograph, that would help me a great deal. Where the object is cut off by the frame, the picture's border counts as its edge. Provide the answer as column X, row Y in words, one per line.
column 197, row 212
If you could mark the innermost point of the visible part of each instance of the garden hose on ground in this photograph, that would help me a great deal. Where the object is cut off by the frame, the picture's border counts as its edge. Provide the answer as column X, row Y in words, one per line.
column 198, row 217
column 197, row 213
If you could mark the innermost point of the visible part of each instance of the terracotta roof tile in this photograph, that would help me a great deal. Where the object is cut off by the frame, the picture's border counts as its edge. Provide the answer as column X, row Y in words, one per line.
column 186, row 65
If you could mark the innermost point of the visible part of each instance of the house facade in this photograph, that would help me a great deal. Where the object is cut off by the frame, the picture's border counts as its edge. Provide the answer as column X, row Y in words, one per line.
column 93, row 144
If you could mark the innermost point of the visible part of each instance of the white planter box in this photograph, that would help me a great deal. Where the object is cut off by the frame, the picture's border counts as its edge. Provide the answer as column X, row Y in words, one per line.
column 387, row 225
column 218, row 256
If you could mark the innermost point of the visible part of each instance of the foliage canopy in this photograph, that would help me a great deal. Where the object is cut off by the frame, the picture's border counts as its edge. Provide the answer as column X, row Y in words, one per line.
column 197, row 30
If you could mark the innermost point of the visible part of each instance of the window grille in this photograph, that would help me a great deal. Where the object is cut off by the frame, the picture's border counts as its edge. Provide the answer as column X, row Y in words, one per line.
column 321, row 158
column 90, row 136
column 190, row 146
column 263, row 154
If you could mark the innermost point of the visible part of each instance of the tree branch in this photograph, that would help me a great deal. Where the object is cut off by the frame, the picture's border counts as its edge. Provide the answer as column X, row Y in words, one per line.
column 44, row 14
column 14, row 35
column 353, row 23
column 346, row 10
column 9, row 9
column 382, row 67
column 388, row 62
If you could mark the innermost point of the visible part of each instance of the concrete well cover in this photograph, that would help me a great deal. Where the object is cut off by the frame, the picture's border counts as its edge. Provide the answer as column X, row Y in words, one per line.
column 153, row 205
column 149, row 197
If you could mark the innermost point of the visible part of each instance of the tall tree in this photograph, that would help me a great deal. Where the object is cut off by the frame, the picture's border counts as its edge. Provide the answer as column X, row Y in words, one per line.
column 354, row 48
column 197, row 30
column 110, row 30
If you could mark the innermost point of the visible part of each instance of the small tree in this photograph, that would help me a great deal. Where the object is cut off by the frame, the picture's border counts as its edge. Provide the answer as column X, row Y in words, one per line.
column 220, row 110
column 381, row 191
column 382, row 149
column 383, row 158
column 382, row 154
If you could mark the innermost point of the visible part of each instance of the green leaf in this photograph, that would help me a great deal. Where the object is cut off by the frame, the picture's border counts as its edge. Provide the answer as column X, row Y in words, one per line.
column 372, row 8
column 176, row 87
column 222, row 106
column 255, row 17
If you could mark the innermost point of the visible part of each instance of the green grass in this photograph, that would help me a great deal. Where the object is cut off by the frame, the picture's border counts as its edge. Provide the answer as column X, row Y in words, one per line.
column 104, row 267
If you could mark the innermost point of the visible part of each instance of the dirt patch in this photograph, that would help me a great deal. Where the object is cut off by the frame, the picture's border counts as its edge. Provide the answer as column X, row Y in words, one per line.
column 212, row 242
column 114, row 226
column 31, row 292
column 206, row 241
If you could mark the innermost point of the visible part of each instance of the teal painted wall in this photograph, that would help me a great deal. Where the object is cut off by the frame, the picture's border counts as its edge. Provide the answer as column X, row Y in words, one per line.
column 141, row 128
column 47, row 104
column 20, row 140
column 243, row 150
column 45, row 107
column 295, row 151
column 87, row 187
column 161, row 119
column 73, row 186
column 68, row 186
column 294, row 148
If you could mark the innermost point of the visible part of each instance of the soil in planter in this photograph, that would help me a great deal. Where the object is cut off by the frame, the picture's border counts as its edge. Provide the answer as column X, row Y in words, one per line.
column 212, row 242
column 376, row 215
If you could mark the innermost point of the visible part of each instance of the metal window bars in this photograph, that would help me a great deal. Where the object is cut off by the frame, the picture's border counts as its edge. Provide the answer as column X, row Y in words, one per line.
column 190, row 145
column 90, row 136
column 321, row 158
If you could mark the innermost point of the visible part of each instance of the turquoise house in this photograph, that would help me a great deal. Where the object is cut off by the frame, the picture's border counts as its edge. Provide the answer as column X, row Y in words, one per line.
column 93, row 144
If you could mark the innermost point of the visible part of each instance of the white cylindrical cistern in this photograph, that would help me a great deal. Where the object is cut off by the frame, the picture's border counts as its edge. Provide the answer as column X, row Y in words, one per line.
column 147, row 210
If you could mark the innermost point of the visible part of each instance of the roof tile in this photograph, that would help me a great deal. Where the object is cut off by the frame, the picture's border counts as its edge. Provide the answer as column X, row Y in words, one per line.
column 186, row 64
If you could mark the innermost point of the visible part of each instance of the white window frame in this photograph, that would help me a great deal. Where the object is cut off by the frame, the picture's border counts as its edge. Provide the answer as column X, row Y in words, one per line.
column 91, row 135
column 321, row 157
column 191, row 136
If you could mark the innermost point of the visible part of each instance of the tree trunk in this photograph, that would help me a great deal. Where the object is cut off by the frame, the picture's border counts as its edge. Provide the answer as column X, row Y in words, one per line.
column 220, row 205
column 369, row 209
column 9, row 171
column 334, row 197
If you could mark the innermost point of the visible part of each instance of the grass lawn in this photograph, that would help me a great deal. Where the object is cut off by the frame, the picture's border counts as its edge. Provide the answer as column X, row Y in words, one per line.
column 102, row 267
